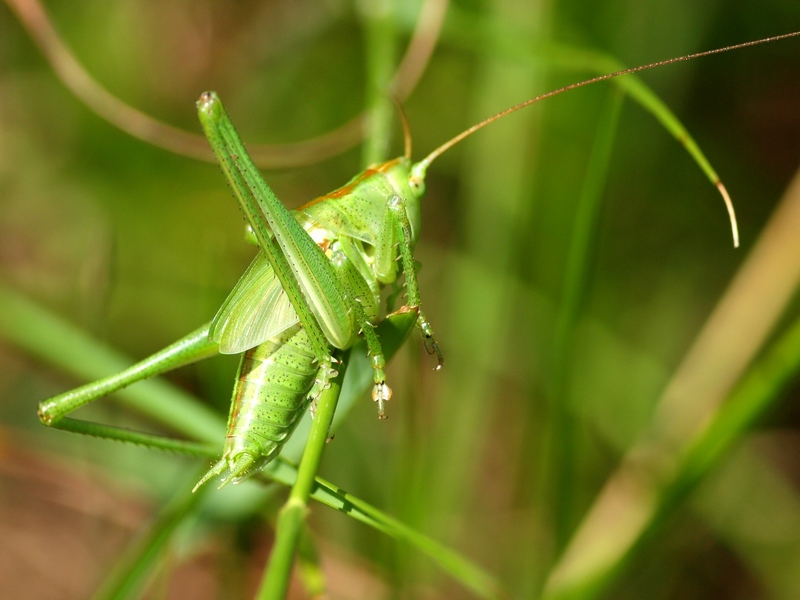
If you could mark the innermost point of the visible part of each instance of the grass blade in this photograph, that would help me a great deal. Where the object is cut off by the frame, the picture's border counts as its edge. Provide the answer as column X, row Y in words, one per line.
column 461, row 569
column 560, row 435
column 132, row 569
column 56, row 342
column 689, row 430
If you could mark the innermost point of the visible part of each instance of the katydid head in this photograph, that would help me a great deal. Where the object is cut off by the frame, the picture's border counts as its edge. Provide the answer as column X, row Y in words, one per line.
column 398, row 171
column 416, row 178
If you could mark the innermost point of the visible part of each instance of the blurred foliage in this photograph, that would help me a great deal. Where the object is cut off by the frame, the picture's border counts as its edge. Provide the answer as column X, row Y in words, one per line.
column 495, row 456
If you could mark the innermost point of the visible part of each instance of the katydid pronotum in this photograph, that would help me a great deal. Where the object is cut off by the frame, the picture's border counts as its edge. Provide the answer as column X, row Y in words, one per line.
column 314, row 287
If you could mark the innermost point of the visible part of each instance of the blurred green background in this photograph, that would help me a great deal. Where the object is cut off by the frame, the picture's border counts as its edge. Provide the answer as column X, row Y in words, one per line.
column 504, row 453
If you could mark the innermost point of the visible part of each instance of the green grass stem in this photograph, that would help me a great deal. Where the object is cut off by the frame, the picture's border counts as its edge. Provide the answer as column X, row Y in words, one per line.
column 380, row 56
column 457, row 566
column 65, row 346
column 760, row 388
column 131, row 570
column 560, row 440
column 498, row 37
column 54, row 341
column 292, row 517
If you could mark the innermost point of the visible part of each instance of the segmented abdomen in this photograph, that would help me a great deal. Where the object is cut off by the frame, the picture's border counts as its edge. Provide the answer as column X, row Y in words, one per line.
column 269, row 397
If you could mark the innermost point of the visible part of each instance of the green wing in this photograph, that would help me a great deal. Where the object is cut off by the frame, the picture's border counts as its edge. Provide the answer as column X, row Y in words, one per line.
column 256, row 310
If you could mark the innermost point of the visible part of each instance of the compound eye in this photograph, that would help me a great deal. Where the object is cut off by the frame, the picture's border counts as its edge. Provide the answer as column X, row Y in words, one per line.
column 417, row 185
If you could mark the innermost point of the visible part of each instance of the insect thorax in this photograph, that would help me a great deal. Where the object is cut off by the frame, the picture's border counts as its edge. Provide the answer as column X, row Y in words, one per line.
column 358, row 209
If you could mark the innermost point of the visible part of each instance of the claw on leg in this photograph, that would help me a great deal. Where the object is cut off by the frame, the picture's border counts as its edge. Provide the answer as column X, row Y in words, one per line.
column 431, row 347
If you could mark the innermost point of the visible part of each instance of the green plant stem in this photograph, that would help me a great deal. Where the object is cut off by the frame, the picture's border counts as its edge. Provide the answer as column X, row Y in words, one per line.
column 501, row 38
column 473, row 578
column 61, row 344
column 561, row 435
column 309, row 568
column 380, row 54
column 57, row 342
column 132, row 569
column 292, row 517
column 461, row 569
column 662, row 492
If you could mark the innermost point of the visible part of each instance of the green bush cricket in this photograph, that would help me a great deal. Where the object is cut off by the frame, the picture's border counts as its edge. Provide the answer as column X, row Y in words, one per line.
column 313, row 288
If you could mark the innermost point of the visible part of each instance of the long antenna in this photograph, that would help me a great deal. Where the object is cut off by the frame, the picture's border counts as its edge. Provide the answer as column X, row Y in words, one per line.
column 406, row 128
column 421, row 167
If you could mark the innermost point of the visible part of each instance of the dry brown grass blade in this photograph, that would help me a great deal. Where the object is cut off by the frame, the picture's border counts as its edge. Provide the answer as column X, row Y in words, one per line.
column 69, row 70
column 728, row 342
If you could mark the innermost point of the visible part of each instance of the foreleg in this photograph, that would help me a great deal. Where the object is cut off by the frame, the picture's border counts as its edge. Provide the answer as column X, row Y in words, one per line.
column 397, row 210
column 363, row 306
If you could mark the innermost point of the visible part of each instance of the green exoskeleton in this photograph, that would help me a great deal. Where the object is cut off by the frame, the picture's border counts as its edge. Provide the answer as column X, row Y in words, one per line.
column 313, row 288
